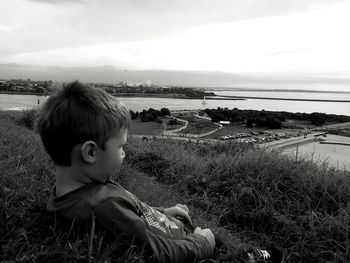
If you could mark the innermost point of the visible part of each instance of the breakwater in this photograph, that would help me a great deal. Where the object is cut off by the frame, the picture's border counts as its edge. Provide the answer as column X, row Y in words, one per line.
column 223, row 97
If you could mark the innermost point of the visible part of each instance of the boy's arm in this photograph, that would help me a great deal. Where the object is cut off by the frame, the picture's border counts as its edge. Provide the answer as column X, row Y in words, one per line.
column 119, row 217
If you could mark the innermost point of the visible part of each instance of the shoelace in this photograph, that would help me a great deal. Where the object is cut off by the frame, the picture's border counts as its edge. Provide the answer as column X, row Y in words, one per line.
column 265, row 254
column 262, row 253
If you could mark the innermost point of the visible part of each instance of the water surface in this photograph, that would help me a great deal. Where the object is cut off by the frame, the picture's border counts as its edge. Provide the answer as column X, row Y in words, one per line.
column 140, row 103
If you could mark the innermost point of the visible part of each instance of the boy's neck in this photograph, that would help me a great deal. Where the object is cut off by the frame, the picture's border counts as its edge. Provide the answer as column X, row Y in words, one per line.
column 69, row 179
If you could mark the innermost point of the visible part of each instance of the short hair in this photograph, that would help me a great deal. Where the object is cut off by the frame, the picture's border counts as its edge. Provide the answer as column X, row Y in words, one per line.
column 76, row 113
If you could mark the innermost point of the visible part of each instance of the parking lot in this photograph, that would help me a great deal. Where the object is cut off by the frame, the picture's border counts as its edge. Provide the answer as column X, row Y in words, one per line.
column 253, row 135
column 256, row 137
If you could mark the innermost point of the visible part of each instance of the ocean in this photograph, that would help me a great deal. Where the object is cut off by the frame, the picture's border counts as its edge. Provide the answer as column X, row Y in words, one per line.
column 140, row 103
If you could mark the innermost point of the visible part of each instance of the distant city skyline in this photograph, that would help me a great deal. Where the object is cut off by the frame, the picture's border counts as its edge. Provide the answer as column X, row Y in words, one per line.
column 204, row 79
column 248, row 38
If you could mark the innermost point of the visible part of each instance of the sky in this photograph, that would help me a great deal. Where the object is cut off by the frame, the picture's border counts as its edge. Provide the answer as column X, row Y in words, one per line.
column 230, row 36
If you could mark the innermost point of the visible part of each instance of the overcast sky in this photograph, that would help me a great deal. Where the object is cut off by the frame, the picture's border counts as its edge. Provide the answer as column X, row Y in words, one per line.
column 237, row 36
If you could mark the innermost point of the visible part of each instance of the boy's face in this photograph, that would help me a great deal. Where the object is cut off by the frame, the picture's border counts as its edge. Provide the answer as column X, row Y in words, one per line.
column 110, row 159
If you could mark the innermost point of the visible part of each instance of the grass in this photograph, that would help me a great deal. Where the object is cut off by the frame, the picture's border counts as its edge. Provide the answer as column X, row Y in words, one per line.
column 340, row 132
column 260, row 197
column 151, row 127
column 197, row 125
column 146, row 128
column 298, row 124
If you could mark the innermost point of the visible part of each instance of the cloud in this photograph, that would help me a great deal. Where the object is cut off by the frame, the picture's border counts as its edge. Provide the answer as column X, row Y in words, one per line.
column 279, row 53
column 58, row 2
column 230, row 36
column 5, row 28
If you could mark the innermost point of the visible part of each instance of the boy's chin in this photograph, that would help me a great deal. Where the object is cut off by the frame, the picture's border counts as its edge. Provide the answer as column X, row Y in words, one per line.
column 107, row 179
column 103, row 180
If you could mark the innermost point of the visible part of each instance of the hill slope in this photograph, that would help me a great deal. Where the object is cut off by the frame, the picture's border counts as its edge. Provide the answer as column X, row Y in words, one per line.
column 260, row 197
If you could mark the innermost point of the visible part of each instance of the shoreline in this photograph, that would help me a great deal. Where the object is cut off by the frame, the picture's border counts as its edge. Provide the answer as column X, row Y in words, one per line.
column 224, row 97
column 178, row 96
column 213, row 89
column 141, row 95
column 23, row 93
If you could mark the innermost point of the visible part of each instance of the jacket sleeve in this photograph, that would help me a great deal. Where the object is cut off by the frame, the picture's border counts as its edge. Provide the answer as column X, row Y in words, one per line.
column 120, row 217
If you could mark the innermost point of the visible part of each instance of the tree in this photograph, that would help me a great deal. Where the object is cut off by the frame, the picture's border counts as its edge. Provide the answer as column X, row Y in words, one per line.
column 172, row 122
column 250, row 122
column 165, row 112
column 39, row 89
column 133, row 114
column 155, row 113
column 317, row 118
column 217, row 117
column 273, row 123
column 147, row 117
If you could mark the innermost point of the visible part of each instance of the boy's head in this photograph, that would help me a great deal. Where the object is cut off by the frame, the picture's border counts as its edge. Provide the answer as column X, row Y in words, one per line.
column 75, row 114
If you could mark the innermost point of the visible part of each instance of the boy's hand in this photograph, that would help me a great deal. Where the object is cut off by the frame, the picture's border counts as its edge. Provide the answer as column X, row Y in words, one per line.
column 178, row 211
column 207, row 234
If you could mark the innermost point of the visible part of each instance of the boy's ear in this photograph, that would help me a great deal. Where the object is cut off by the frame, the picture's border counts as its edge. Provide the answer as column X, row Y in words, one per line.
column 88, row 151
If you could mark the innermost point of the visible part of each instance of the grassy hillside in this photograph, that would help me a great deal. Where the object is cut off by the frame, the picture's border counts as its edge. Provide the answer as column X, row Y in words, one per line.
column 243, row 193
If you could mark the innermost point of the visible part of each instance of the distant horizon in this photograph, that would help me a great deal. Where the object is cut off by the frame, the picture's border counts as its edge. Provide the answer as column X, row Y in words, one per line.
column 300, row 82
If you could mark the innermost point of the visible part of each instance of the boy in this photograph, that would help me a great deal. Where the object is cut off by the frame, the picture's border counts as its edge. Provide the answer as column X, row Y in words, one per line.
column 84, row 129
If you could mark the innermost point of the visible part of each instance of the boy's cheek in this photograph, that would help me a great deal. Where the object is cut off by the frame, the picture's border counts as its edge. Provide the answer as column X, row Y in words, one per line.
column 119, row 163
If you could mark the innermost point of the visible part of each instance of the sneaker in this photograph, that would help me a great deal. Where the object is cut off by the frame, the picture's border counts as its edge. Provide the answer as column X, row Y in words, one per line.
column 270, row 255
